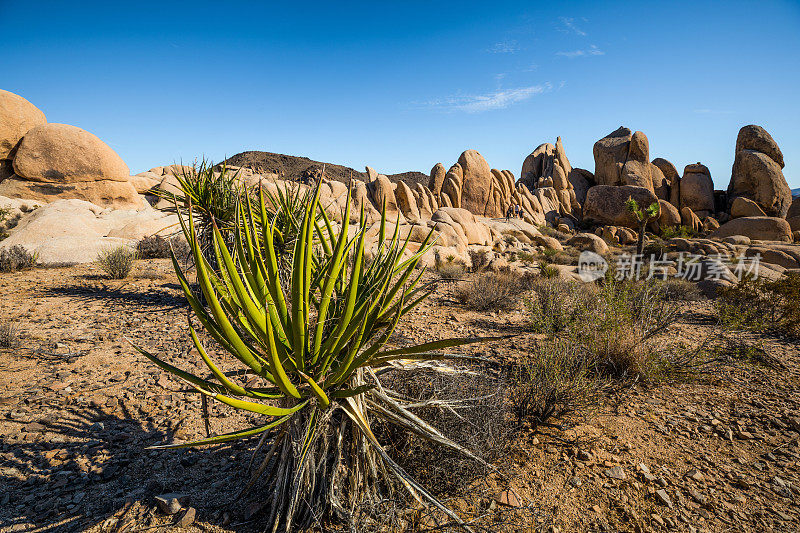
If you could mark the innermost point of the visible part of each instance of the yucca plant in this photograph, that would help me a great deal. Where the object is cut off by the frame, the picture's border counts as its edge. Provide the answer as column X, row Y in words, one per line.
column 214, row 193
column 318, row 344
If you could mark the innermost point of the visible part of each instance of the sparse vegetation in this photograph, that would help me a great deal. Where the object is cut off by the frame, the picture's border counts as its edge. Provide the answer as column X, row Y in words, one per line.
column 17, row 258
column 762, row 305
column 479, row 259
column 684, row 232
column 546, row 270
column 3, row 215
column 680, row 289
column 493, row 291
column 642, row 216
column 552, row 381
column 554, row 305
column 449, row 269
column 116, row 262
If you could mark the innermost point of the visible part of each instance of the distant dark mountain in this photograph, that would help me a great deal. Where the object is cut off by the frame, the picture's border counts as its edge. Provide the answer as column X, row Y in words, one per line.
column 294, row 167
column 796, row 192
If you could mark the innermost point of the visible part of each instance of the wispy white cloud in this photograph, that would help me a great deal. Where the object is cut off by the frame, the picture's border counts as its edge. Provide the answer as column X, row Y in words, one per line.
column 504, row 47
column 479, row 103
column 593, row 50
column 568, row 26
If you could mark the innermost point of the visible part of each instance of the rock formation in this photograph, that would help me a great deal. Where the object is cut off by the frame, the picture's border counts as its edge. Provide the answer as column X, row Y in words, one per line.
column 697, row 189
column 757, row 173
column 548, row 167
column 17, row 116
column 605, row 204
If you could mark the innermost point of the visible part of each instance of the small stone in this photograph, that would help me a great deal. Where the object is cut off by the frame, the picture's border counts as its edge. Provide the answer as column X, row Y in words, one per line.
column 744, row 435
column 596, row 509
column 187, row 518
column 615, row 473
column 695, row 475
column 172, row 503
column 509, row 499
column 696, row 496
column 576, row 482
column 664, row 498
column 657, row 519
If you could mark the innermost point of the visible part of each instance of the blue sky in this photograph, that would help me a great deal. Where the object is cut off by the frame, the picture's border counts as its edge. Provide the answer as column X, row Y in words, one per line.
column 401, row 87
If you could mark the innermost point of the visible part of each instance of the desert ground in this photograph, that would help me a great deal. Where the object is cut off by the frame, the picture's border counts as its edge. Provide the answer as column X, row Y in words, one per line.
column 716, row 450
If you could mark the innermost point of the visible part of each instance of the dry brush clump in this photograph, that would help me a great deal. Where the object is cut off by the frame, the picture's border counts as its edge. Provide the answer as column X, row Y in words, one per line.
column 552, row 381
column 449, row 268
column 116, row 262
column 17, row 258
column 493, row 291
column 316, row 345
column 615, row 323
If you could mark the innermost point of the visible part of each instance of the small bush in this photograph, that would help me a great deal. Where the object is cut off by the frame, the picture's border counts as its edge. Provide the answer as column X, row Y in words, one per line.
column 762, row 305
column 158, row 247
column 450, row 269
column 117, row 262
column 555, row 305
column 548, row 254
column 16, row 258
column 526, row 257
column 546, row 270
column 672, row 232
column 3, row 215
column 622, row 320
column 680, row 289
column 8, row 335
column 553, row 381
column 493, row 291
column 479, row 259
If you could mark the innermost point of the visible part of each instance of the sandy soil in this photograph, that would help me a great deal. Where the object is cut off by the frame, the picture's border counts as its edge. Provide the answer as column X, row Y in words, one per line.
column 78, row 407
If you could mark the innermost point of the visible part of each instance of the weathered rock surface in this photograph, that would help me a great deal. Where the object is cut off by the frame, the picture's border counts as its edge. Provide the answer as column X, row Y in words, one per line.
column 75, row 231
column 756, row 138
column 548, row 167
column 105, row 193
column 17, row 117
column 610, row 154
column 670, row 216
column 60, row 153
column 697, row 188
column 605, row 204
column 757, row 228
column 590, row 242
column 745, row 207
column 755, row 175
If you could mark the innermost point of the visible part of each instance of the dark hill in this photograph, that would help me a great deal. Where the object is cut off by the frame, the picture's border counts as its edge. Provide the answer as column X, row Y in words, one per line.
column 295, row 168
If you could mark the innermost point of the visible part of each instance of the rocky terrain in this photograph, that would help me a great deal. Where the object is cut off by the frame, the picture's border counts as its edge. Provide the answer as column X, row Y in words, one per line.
column 716, row 449
column 78, row 407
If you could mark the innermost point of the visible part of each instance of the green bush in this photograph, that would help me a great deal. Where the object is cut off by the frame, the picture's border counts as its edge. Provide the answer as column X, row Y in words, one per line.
column 450, row 268
column 17, row 258
column 762, row 305
column 117, row 262
column 479, row 259
column 671, row 232
column 546, row 270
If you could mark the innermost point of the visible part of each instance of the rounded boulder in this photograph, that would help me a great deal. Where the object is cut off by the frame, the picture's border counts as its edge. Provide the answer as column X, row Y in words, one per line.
column 17, row 117
column 60, row 153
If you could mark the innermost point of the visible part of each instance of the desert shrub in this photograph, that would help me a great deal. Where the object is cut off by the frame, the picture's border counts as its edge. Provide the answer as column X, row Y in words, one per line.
column 680, row 289
column 449, row 268
column 9, row 336
column 554, row 304
column 655, row 249
column 552, row 232
column 493, row 291
column 3, row 215
column 546, row 270
column 16, row 258
column 153, row 247
column 685, row 232
column 158, row 247
column 761, row 305
column 526, row 257
column 479, row 259
column 117, row 262
column 547, row 255
column 552, row 381
column 622, row 320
